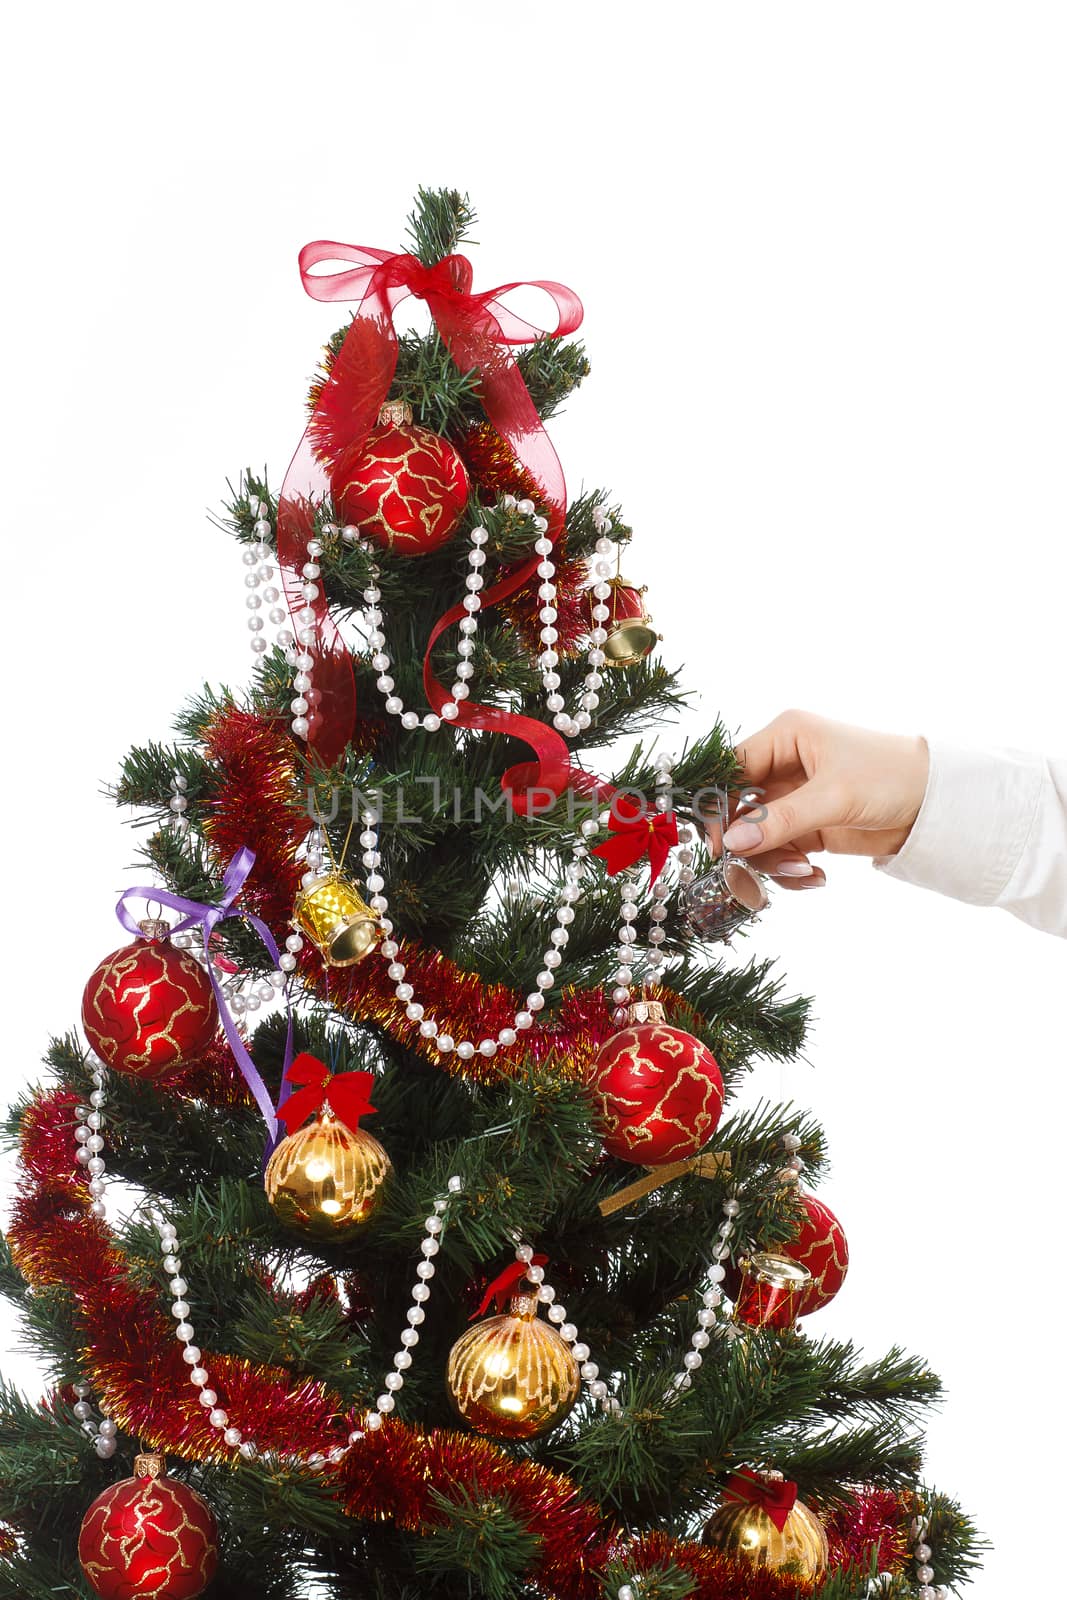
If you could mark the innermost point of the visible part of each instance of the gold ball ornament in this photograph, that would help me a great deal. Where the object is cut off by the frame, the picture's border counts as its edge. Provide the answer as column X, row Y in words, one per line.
column 748, row 1532
column 512, row 1376
column 326, row 1180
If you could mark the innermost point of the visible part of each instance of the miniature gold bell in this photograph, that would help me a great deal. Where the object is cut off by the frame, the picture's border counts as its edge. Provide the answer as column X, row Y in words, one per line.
column 631, row 636
column 337, row 920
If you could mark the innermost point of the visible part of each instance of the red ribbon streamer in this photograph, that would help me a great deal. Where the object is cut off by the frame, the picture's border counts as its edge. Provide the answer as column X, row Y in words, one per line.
column 346, row 1094
column 479, row 331
column 501, row 1287
column 636, row 832
column 776, row 1496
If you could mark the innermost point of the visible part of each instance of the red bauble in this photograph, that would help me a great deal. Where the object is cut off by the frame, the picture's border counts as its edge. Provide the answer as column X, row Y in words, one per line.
column 407, row 489
column 149, row 1009
column 820, row 1246
column 659, row 1093
column 149, row 1536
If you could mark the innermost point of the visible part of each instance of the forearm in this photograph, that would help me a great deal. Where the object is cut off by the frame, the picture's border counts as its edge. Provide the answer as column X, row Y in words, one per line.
column 992, row 830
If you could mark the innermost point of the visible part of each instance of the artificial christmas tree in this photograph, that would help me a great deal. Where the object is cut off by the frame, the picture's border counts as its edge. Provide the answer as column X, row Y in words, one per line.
column 530, row 980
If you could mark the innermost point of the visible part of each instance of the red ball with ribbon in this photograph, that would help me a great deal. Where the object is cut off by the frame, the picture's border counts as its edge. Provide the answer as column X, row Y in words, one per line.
column 405, row 489
column 310, row 1088
column 149, row 1535
column 326, row 1179
column 761, row 1521
column 149, row 1009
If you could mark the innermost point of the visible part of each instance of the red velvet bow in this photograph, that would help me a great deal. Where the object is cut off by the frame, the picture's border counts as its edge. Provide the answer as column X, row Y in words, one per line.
column 502, row 1287
column 636, row 832
column 346, row 1094
column 478, row 330
column 776, row 1496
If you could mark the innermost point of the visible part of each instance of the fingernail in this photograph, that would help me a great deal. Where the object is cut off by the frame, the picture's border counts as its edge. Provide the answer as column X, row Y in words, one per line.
column 794, row 869
column 812, row 883
column 742, row 836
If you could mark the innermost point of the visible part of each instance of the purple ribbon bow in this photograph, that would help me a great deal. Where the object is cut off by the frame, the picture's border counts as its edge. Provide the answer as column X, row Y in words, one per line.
column 207, row 919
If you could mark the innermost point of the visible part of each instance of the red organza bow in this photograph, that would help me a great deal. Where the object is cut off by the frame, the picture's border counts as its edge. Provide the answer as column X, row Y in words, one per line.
column 346, row 1094
column 479, row 331
column 776, row 1496
column 502, row 1287
column 636, row 832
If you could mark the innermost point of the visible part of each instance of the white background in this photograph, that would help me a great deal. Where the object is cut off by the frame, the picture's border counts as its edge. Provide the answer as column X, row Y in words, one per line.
column 823, row 256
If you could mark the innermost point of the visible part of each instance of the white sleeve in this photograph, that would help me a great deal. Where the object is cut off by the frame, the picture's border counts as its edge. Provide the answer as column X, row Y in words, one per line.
column 992, row 830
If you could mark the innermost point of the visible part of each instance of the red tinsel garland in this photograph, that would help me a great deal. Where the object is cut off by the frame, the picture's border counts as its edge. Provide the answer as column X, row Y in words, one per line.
column 135, row 1364
column 259, row 804
column 875, row 1520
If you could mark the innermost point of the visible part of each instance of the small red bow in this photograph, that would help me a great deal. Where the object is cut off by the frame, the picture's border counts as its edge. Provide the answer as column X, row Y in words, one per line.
column 776, row 1496
column 501, row 1288
column 636, row 832
column 346, row 1094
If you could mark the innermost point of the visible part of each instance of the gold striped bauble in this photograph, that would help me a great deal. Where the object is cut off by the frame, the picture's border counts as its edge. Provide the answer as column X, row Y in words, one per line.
column 512, row 1376
column 747, row 1531
column 326, row 1180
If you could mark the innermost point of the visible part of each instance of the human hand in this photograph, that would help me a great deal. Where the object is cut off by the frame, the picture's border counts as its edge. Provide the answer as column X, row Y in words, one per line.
column 824, row 786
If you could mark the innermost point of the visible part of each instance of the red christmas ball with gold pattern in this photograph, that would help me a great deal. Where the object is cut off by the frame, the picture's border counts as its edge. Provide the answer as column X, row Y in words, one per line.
column 149, row 1008
column 408, row 487
column 657, row 1089
column 149, row 1537
column 821, row 1246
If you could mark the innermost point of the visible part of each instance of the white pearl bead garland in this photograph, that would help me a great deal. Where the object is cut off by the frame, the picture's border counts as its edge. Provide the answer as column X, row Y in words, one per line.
column 434, row 1226
column 381, row 661
column 389, row 950
column 430, row 721
column 570, row 726
column 200, row 1377
column 708, row 1317
column 89, row 1137
column 262, row 590
column 595, row 1386
column 90, row 1144
column 101, row 1430
column 243, row 992
column 654, row 957
column 178, row 804
column 924, row 1572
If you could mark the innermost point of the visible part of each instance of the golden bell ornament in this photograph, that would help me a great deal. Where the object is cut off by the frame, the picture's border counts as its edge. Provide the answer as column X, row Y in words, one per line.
column 337, row 919
column 749, row 1533
column 631, row 636
column 512, row 1376
column 326, row 1179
